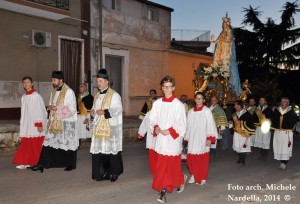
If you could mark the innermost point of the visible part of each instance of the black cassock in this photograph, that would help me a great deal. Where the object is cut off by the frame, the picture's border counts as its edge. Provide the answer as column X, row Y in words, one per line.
column 88, row 101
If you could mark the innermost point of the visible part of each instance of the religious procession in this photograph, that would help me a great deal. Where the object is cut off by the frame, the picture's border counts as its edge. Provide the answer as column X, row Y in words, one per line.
column 167, row 123
column 183, row 134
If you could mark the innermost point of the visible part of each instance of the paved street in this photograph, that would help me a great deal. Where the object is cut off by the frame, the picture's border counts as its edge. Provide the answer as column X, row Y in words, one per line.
column 134, row 186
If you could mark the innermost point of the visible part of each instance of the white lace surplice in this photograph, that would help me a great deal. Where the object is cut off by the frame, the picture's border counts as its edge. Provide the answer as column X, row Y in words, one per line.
column 113, row 145
column 68, row 139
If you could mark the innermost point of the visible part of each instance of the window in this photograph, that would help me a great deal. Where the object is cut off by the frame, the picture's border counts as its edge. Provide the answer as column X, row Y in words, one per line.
column 114, row 4
column 152, row 14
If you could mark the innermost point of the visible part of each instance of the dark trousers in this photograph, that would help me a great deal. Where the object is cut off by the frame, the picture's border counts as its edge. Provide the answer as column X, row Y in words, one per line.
column 57, row 158
column 106, row 164
column 242, row 158
column 263, row 152
column 284, row 161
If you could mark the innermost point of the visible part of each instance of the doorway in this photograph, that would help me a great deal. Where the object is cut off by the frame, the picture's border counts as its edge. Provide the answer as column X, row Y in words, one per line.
column 71, row 61
column 113, row 65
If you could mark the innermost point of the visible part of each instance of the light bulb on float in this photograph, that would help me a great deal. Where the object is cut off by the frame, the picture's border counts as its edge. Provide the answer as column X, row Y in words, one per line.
column 265, row 126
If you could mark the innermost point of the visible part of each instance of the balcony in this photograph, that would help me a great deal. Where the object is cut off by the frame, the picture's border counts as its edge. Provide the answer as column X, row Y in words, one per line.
column 59, row 4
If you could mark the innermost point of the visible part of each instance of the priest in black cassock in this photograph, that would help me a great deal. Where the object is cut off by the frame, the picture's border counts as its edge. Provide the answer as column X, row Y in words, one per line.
column 61, row 140
column 283, row 121
column 107, row 138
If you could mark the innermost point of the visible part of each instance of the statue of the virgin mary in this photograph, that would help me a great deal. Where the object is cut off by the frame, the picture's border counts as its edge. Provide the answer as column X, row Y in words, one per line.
column 225, row 55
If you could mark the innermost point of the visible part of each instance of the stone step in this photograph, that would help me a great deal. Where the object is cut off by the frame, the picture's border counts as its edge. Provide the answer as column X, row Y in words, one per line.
column 9, row 134
column 9, row 137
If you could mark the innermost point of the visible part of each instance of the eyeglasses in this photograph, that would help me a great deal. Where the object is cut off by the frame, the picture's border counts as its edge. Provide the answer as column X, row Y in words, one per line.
column 167, row 87
column 199, row 99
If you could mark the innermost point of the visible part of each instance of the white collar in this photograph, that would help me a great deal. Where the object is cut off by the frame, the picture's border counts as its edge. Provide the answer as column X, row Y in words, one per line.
column 263, row 108
column 284, row 111
column 84, row 94
column 250, row 107
column 240, row 113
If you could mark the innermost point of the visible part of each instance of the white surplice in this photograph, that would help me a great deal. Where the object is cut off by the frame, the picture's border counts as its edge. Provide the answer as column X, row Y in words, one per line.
column 200, row 126
column 168, row 115
column 32, row 111
column 145, row 128
column 68, row 139
column 113, row 145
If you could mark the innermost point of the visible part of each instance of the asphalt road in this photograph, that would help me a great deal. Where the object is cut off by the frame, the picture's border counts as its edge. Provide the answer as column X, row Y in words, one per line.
column 134, row 186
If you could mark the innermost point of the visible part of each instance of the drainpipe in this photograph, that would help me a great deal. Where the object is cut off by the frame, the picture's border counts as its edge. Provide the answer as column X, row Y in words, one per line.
column 100, row 34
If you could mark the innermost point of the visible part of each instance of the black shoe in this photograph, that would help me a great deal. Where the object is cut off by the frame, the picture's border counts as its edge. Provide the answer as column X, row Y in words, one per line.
column 102, row 177
column 37, row 168
column 40, row 170
column 162, row 197
column 238, row 161
column 113, row 178
column 31, row 167
column 106, row 176
column 68, row 168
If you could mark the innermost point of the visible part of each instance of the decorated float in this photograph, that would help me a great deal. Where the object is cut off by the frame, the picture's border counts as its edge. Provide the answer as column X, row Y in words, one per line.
column 222, row 78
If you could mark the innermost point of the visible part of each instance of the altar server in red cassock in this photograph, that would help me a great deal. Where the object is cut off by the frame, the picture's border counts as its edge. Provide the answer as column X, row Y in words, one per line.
column 201, row 133
column 144, row 129
column 168, row 124
column 32, row 125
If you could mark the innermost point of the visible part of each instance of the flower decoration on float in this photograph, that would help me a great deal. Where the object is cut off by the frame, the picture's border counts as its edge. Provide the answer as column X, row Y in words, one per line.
column 214, row 71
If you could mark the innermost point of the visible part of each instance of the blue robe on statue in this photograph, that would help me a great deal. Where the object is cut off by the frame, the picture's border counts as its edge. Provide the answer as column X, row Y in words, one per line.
column 235, row 82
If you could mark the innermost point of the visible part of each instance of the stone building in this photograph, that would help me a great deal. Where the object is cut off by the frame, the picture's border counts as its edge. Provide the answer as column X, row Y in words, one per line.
column 135, row 36
column 130, row 38
column 135, row 39
column 37, row 37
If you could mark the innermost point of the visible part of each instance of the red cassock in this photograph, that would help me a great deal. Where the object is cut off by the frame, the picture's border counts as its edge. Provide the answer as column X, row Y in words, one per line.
column 152, row 160
column 167, row 114
column 29, row 151
column 198, row 166
column 168, row 173
column 201, row 127
column 33, row 115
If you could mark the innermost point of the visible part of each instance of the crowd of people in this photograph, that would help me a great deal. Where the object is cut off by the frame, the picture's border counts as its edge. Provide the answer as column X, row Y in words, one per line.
column 173, row 127
column 50, row 136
